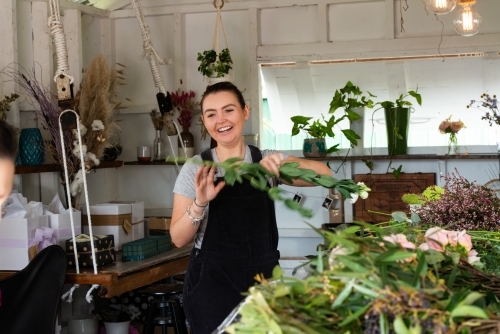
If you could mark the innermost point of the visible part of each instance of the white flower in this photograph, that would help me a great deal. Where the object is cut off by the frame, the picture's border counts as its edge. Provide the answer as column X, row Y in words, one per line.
column 472, row 257
column 91, row 156
column 363, row 190
column 353, row 199
column 77, row 184
column 97, row 125
column 363, row 194
column 339, row 250
column 76, row 150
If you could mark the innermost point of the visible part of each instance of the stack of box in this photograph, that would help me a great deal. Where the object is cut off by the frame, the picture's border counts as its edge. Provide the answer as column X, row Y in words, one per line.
column 104, row 246
column 61, row 224
column 137, row 209
column 143, row 248
column 109, row 219
column 159, row 225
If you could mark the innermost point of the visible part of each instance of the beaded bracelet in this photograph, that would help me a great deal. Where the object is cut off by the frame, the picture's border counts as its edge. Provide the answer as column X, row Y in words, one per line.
column 200, row 206
column 196, row 220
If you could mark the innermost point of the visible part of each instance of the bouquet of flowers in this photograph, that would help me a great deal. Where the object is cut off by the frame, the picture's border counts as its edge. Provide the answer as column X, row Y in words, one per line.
column 447, row 126
column 186, row 105
column 493, row 115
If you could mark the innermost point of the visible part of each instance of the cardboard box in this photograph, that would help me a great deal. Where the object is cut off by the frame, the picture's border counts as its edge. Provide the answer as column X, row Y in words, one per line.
column 159, row 223
column 108, row 219
column 105, row 250
column 16, row 236
column 137, row 208
column 61, row 223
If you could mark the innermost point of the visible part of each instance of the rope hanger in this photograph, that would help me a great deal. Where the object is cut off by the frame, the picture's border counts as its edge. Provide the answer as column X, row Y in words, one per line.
column 65, row 98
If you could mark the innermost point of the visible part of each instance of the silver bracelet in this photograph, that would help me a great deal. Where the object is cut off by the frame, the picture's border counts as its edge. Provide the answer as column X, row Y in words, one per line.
column 196, row 220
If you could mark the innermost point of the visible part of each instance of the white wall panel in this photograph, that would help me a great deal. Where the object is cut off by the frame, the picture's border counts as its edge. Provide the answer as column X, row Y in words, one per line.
column 357, row 21
column 24, row 36
column 91, row 38
column 139, row 81
column 289, row 25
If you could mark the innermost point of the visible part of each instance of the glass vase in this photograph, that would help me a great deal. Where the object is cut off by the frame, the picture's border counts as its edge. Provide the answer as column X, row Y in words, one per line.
column 188, row 141
column 452, row 145
column 159, row 147
column 31, row 151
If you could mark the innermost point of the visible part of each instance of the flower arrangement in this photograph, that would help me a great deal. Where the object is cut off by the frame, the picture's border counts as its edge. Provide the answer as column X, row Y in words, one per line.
column 448, row 126
column 374, row 284
column 186, row 105
column 430, row 193
column 463, row 205
column 493, row 115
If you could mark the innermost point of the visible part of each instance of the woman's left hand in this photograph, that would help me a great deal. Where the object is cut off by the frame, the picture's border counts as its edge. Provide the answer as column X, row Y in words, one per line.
column 272, row 162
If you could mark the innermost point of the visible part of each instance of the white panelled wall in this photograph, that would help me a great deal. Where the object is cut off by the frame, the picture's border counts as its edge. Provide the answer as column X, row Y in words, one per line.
column 258, row 32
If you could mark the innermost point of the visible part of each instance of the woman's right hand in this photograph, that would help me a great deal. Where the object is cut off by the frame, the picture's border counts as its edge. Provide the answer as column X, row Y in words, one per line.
column 206, row 190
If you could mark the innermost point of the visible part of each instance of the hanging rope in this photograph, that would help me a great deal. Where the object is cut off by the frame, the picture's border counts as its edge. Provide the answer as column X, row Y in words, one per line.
column 218, row 4
column 68, row 295
column 57, row 33
column 149, row 51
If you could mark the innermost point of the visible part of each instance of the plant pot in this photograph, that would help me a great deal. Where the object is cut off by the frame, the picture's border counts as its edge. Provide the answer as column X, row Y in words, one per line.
column 83, row 325
column 31, row 149
column 397, row 141
column 188, row 140
column 314, row 148
column 117, row 327
column 227, row 77
column 358, row 126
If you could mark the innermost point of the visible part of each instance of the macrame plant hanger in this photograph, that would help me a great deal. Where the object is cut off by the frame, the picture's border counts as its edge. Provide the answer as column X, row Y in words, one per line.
column 162, row 96
column 68, row 121
column 218, row 4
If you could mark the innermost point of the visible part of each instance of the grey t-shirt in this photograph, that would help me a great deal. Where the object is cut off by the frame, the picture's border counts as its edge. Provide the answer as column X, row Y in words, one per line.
column 184, row 185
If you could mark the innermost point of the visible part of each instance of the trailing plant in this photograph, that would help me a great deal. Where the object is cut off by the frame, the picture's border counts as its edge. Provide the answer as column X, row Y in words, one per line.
column 4, row 105
column 350, row 97
column 322, row 128
column 214, row 65
column 401, row 101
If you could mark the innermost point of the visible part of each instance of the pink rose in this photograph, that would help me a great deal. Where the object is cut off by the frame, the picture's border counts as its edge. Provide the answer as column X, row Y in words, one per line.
column 456, row 126
column 472, row 257
column 437, row 238
column 465, row 240
column 443, row 126
column 452, row 238
column 424, row 247
column 400, row 239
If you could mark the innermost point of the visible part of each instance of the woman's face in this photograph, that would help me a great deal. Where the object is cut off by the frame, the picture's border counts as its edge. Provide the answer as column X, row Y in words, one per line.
column 6, row 178
column 224, row 118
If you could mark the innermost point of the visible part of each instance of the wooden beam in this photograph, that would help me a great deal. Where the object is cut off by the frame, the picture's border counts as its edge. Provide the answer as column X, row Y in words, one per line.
column 159, row 8
column 72, row 22
column 65, row 4
column 379, row 48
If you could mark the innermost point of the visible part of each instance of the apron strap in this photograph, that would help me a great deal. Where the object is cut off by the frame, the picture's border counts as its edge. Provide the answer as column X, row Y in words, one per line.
column 254, row 151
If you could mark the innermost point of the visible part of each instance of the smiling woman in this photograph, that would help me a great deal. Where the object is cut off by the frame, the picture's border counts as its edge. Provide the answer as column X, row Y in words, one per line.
column 8, row 148
column 233, row 227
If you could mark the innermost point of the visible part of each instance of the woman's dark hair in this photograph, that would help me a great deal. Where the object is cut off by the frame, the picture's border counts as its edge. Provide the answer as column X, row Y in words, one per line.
column 224, row 86
column 8, row 142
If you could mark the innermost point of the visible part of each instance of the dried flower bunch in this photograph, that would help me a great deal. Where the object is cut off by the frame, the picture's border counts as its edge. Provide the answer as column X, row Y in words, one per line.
column 452, row 127
column 186, row 105
column 4, row 105
column 493, row 115
column 463, row 205
column 157, row 119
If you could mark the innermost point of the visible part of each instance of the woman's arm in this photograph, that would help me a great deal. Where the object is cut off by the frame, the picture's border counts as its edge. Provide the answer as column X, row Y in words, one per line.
column 272, row 162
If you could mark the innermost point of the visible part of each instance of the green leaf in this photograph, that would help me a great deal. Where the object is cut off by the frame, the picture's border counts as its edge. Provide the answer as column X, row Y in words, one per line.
column 471, row 298
column 399, row 216
column 277, row 272
column 416, row 96
column 433, row 257
column 369, row 164
column 468, row 311
column 351, row 136
column 354, row 266
column 342, row 296
column 399, row 326
column 397, row 171
column 281, row 291
column 415, row 218
column 355, row 315
column 319, row 265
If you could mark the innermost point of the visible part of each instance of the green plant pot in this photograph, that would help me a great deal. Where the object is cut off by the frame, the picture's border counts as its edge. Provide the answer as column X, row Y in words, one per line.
column 314, row 148
column 397, row 118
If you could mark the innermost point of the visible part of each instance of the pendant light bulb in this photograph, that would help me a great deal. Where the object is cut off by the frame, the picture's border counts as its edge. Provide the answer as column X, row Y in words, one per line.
column 468, row 21
column 440, row 7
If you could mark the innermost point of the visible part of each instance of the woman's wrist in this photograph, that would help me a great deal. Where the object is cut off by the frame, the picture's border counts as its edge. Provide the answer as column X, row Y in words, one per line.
column 200, row 205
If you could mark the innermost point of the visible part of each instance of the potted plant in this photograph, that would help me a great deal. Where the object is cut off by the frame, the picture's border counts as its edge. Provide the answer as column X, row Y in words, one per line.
column 353, row 102
column 397, row 118
column 116, row 318
column 215, row 66
column 315, row 147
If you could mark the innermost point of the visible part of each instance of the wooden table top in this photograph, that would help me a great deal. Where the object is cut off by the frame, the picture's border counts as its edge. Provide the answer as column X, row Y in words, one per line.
column 123, row 276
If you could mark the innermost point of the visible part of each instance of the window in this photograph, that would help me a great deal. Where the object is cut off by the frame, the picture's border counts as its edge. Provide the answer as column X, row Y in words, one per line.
column 446, row 84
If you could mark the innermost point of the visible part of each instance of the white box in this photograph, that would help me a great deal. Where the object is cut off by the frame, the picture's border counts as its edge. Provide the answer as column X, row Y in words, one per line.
column 15, row 238
column 138, row 227
column 109, row 219
column 61, row 224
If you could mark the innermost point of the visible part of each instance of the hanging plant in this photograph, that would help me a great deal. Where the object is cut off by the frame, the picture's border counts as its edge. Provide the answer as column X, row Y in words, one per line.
column 214, row 65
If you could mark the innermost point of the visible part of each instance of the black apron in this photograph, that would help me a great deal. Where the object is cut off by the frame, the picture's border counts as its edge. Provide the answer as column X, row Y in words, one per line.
column 240, row 241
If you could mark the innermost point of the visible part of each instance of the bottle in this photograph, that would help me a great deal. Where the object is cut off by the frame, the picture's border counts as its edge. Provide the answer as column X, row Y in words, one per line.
column 159, row 147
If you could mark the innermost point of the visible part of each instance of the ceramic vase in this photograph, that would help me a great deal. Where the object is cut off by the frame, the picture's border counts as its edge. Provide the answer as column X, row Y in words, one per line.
column 358, row 126
column 314, row 148
column 226, row 77
column 117, row 327
column 188, row 141
column 396, row 122
column 31, row 151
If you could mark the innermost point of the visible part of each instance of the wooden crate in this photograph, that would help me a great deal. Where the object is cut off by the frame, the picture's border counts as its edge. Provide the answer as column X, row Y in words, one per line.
column 386, row 192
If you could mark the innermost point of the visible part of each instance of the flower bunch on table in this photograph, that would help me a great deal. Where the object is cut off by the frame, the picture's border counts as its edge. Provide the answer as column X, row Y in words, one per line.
column 491, row 104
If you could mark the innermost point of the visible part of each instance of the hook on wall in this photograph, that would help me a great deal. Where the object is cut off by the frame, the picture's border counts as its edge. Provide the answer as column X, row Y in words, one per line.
column 218, row 4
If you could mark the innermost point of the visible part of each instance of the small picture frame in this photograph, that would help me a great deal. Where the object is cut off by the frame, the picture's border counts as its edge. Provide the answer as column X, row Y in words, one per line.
column 327, row 203
column 297, row 198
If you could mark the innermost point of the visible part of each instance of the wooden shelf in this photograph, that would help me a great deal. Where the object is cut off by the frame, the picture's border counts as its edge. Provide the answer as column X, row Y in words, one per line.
column 410, row 157
column 151, row 163
column 47, row 168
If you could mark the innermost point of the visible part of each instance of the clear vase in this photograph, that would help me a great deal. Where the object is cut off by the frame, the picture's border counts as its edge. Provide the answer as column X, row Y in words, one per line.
column 159, row 147
column 452, row 145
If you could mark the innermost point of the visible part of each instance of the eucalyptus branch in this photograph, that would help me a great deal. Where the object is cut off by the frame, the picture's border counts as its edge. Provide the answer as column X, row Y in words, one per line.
column 235, row 170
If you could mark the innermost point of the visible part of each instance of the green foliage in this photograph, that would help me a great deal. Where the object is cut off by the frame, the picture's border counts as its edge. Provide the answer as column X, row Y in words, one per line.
column 412, row 199
column 400, row 102
column 4, row 105
column 350, row 97
column 213, row 65
column 432, row 193
column 370, row 285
